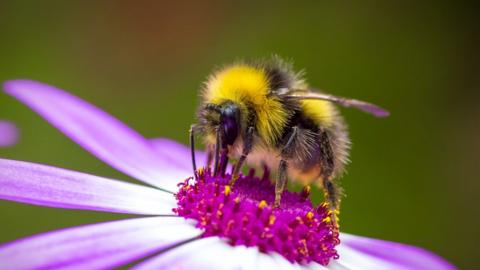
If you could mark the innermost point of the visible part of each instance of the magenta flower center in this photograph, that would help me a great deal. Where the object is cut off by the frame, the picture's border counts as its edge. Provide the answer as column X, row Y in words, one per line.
column 243, row 214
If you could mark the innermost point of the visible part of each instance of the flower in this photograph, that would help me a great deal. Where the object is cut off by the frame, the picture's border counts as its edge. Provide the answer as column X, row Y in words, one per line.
column 8, row 133
column 203, row 224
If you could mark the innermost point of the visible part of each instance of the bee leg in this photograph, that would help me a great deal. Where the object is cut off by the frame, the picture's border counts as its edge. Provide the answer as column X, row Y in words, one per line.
column 210, row 153
column 281, row 182
column 333, row 192
column 223, row 161
column 217, row 154
column 266, row 172
column 192, row 150
column 247, row 147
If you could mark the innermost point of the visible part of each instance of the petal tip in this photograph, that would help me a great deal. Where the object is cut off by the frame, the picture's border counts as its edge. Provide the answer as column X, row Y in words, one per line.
column 12, row 86
column 387, row 253
column 9, row 133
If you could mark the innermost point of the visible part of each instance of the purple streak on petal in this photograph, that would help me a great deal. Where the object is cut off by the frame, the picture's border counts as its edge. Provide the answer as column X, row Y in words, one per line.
column 362, row 252
column 8, row 134
column 53, row 187
column 99, row 133
column 98, row 246
column 204, row 254
column 179, row 152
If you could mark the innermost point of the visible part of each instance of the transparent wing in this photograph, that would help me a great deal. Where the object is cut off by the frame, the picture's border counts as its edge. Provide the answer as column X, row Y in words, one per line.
column 345, row 102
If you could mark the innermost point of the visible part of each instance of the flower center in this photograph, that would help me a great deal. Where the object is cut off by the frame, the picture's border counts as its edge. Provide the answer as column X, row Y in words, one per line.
column 243, row 214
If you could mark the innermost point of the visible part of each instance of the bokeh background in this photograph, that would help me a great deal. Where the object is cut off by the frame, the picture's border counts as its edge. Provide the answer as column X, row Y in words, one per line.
column 413, row 177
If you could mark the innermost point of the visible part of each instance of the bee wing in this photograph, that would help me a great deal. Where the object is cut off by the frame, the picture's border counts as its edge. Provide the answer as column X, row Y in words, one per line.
column 345, row 102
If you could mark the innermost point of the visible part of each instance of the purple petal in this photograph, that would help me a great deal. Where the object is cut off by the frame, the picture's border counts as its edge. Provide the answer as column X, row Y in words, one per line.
column 99, row 133
column 364, row 253
column 8, row 134
column 49, row 186
column 179, row 152
column 97, row 246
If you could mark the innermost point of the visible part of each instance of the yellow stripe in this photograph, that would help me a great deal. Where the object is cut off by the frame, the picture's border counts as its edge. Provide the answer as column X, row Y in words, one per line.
column 244, row 85
column 322, row 112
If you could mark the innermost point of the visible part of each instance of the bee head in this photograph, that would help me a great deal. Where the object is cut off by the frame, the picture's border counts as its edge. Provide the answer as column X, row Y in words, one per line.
column 228, row 120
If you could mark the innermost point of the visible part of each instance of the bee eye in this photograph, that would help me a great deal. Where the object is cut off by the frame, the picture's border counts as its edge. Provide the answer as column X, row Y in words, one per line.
column 230, row 118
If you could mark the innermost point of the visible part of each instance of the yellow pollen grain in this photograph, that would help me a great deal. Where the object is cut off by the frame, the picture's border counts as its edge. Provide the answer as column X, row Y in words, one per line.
column 262, row 204
column 271, row 220
column 303, row 249
column 228, row 189
column 309, row 215
column 327, row 220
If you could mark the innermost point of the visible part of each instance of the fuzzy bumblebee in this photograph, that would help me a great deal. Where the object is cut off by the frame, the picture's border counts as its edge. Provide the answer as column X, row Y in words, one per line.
column 264, row 113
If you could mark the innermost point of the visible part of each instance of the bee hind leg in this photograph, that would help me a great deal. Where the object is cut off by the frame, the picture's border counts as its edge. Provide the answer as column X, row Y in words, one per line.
column 333, row 193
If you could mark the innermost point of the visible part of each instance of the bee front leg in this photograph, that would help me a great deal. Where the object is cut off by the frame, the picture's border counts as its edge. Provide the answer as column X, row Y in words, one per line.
column 192, row 150
column 281, row 181
column 223, row 161
column 216, row 163
column 247, row 147
column 210, row 153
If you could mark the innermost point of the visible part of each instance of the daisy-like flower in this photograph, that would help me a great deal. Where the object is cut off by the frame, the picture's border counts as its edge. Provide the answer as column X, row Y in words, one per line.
column 8, row 133
column 185, row 224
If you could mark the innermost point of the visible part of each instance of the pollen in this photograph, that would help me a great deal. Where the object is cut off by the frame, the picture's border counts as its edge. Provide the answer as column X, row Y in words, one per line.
column 262, row 204
column 227, row 190
column 243, row 215
column 271, row 220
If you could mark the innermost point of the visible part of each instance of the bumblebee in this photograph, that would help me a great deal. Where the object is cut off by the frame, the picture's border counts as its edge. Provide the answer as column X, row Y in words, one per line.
column 264, row 113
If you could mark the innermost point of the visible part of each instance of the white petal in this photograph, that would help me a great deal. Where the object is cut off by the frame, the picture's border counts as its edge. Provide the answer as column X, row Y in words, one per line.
column 204, row 254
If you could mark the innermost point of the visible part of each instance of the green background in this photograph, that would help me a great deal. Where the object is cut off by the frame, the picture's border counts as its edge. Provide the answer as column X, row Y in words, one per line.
column 413, row 177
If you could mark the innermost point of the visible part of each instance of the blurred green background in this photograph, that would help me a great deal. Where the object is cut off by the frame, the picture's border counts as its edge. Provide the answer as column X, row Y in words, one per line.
column 413, row 177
